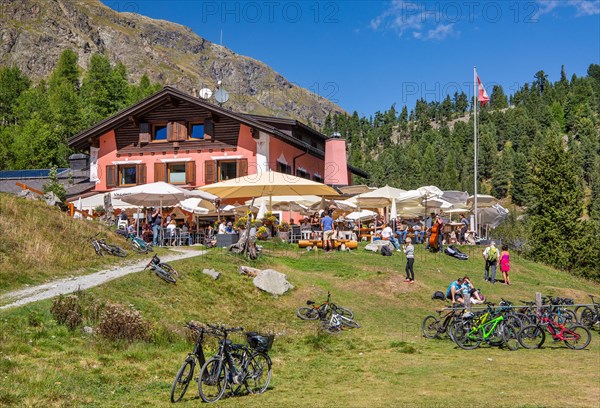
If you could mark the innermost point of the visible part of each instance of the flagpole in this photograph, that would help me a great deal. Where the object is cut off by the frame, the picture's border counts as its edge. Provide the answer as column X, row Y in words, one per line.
column 475, row 175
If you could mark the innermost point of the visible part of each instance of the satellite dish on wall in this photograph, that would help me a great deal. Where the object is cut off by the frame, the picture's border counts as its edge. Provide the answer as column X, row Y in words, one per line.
column 205, row 93
column 221, row 96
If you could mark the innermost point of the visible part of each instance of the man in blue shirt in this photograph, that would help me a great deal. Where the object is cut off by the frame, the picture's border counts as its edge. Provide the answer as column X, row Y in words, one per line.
column 454, row 292
column 327, row 227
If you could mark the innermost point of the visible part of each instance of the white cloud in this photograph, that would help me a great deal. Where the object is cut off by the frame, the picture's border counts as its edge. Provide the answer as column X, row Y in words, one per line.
column 582, row 7
column 419, row 19
column 441, row 32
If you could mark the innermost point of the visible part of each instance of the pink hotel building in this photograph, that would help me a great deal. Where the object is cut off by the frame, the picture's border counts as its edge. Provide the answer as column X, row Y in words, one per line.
column 180, row 139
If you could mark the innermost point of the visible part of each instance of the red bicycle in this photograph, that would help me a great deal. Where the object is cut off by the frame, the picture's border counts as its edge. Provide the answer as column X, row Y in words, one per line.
column 575, row 336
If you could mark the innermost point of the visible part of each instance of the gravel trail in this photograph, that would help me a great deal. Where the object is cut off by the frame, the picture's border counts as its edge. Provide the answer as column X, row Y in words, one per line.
column 69, row 285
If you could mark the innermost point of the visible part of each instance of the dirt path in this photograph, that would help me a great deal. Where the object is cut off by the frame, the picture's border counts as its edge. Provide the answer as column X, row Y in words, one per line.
column 70, row 285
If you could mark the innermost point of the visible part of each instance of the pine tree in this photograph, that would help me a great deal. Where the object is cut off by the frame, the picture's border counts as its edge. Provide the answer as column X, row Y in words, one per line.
column 503, row 173
column 520, row 180
column 498, row 99
column 12, row 84
column 556, row 204
column 594, row 207
column 449, row 179
column 430, row 174
column 461, row 103
column 66, row 70
column 487, row 150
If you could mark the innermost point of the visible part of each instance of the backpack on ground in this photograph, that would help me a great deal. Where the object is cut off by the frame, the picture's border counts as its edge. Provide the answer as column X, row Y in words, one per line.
column 437, row 295
column 386, row 250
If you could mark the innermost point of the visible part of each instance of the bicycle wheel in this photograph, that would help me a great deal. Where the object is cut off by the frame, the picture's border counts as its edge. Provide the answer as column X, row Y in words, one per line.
column 532, row 336
column 343, row 311
column 258, row 373
column 213, row 380
column 182, row 380
column 170, row 269
column 137, row 247
column 496, row 337
column 511, row 336
column 577, row 337
column 467, row 338
column 430, row 327
column 331, row 328
column 166, row 276
column 307, row 313
column 349, row 322
column 116, row 251
column 586, row 317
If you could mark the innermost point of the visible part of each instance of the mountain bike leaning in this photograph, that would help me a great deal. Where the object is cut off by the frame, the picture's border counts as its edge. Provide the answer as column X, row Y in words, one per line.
column 490, row 327
column 434, row 326
column 322, row 311
column 575, row 336
column 589, row 316
column 236, row 366
column 185, row 375
column 163, row 270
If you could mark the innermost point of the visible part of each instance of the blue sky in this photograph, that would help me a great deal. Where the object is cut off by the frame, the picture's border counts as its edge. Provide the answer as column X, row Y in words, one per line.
column 367, row 55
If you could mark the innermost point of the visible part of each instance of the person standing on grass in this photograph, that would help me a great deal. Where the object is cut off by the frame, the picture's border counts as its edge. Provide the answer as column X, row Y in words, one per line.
column 491, row 262
column 505, row 264
column 327, row 226
column 409, row 250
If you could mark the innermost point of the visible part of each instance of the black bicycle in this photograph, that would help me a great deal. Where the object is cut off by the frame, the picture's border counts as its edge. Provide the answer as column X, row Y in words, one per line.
column 435, row 326
column 236, row 366
column 163, row 270
column 185, row 375
column 100, row 246
column 589, row 316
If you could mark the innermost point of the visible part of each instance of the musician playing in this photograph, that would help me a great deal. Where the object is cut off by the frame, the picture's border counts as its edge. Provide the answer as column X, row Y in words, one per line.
column 437, row 230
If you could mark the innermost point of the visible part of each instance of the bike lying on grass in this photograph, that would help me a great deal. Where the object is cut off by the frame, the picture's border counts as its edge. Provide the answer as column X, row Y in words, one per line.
column 139, row 245
column 100, row 246
column 337, row 322
column 322, row 311
column 236, row 366
column 163, row 270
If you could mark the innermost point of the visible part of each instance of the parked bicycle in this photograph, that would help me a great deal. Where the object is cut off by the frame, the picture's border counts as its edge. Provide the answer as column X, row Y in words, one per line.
column 575, row 336
column 435, row 326
column 236, row 366
column 100, row 246
column 490, row 327
column 163, row 270
column 322, row 311
column 589, row 316
column 185, row 375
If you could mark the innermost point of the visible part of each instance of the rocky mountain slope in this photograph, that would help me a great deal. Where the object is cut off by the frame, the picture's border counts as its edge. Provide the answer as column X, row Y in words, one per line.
column 33, row 33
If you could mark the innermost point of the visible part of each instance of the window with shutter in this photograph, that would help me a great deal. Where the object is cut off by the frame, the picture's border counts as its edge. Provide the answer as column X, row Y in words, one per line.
column 171, row 132
column 111, row 176
column 242, row 167
column 190, row 172
column 160, row 172
column 159, row 132
column 128, row 175
column 209, row 128
column 141, row 174
column 210, row 170
column 144, row 136
column 181, row 131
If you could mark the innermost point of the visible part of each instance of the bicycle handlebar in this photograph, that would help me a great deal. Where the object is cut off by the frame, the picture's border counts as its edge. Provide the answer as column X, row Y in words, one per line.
column 226, row 330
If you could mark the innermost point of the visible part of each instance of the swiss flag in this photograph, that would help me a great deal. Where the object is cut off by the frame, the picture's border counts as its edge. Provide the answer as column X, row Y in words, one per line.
column 481, row 93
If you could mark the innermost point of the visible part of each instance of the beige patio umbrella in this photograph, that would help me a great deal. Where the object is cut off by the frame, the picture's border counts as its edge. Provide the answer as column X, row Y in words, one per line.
column 380, row 198
column 268, row 183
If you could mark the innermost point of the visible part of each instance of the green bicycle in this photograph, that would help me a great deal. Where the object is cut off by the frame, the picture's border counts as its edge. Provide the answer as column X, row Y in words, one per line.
column 490, row 327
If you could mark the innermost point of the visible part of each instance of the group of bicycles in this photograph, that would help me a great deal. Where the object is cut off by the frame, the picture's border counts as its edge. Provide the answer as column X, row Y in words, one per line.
column 512, row 327
column 333, row 318
column 234, row 368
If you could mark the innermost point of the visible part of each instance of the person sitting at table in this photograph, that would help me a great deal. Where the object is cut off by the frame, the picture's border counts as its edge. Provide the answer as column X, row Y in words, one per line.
column 305, row 225
column 388, row 235
column 419, row 233
column 402, row 231
column 222, row 227
column 229, row 228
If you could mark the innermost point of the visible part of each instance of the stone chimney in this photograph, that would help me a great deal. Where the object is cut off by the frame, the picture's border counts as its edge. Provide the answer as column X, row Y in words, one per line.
column 336, row 165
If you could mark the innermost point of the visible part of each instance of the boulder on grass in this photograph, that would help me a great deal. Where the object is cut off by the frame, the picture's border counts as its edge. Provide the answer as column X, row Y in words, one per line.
column 272, row 282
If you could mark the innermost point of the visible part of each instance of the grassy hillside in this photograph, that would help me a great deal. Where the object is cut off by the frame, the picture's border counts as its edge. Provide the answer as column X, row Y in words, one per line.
column 39, row 243
column 385, row 363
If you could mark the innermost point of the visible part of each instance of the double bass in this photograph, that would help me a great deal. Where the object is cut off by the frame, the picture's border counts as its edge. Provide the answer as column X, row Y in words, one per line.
column 436, row 230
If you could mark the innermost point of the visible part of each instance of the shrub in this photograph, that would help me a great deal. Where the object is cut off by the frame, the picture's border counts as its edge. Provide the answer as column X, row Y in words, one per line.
column 65, row 308
column 283, row 226
column 119, row 322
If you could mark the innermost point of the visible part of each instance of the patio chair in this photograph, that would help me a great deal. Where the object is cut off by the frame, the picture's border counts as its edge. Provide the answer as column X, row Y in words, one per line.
column 295, row 234
column 167, row 237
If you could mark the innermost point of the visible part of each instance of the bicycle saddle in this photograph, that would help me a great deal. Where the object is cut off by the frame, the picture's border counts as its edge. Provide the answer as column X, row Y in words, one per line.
column 310, row 302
